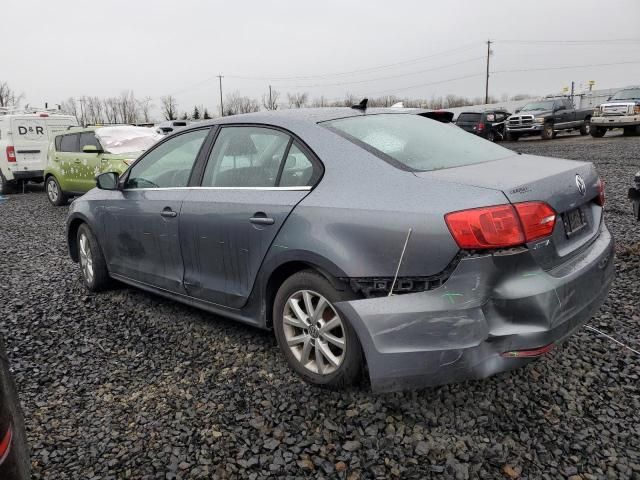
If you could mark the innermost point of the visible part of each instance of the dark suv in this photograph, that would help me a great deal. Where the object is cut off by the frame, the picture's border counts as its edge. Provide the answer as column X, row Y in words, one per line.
column 489, row 124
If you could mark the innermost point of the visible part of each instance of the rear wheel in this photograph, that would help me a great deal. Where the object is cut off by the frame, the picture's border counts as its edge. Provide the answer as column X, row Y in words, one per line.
column 547, row 131
column 54, row 193
column 92, row 262
column 491, row 136
column 6, row 186
column 597, row 132
column 317, row 342
column 586, row 127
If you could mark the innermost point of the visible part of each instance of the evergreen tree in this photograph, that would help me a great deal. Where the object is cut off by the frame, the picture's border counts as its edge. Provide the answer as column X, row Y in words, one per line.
column 196, row 113
column 185, row 116
column 206, row 115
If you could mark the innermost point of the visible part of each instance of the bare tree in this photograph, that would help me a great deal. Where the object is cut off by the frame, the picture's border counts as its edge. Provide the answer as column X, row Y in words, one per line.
column 111, row 110
column 320, row 102
column 270, row 101
column 128, row 107
column 70, row 107
column 93, row 111
column 297, row 100
column 144, row 107
column 236, row 103
column 169, row 107
column 8, row 96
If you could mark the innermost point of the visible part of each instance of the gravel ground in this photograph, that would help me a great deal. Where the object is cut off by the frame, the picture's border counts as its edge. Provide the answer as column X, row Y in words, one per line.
column 125, row 384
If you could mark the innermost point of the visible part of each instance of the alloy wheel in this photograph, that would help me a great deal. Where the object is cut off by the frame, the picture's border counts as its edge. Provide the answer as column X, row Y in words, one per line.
column 86, row 259
column 52, row 191
column 314, row 332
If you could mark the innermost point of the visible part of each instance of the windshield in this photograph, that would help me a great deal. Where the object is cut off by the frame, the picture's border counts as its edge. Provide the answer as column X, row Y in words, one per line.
column 416, row 143
column 126, row 138
column 538, row 106
column 631, row 94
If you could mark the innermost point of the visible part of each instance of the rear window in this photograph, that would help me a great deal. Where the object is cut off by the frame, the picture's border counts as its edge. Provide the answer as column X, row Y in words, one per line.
column 415, row 143
column 469, row 117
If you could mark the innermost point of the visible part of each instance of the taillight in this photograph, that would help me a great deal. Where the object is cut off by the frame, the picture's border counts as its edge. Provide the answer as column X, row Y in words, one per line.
column 601, row 195
column 501, row 226
column 11, row 154
column 636, row 109
column 538, row 219
column 5, row 444
column 480, row 126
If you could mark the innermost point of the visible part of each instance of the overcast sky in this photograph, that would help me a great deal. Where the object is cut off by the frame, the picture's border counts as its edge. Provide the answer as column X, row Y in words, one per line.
column 53, row 50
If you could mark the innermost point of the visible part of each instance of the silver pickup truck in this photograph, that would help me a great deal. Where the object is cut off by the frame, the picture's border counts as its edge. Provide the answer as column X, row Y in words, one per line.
column 622, row 110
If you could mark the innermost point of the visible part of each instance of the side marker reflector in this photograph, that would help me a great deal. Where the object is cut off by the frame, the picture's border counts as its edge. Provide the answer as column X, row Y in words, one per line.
column 534, row 352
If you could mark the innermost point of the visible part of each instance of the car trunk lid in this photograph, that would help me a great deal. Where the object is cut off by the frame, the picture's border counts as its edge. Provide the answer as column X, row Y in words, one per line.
column 558, row 182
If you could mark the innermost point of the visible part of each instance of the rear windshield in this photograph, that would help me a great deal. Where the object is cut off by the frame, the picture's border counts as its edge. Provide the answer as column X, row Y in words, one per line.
column 469, row 117
column 412, row 142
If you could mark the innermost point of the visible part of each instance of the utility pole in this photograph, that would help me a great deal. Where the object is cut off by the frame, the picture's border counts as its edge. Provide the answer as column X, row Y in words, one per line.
column 270, row 104
column 572, row 86
column 486, row 87
column 221, row 106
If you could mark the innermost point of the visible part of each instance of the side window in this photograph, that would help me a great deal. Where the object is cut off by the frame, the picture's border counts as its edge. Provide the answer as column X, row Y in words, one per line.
column 298, row 169
column 69, row 143
column 170, row 164
column 499, row 116
column 89, row 138
column 245, row 157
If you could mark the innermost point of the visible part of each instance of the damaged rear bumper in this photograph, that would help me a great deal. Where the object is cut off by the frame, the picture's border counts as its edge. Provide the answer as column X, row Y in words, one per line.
column 490, row 305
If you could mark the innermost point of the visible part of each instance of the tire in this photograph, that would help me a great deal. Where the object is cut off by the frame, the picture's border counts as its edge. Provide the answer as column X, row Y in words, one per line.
column 491, row 136
column 597, row 132
column 547, row 131
column 347, row 360
column 585, row 129
column 92, row 263
column 513, row 137
column 6, row 186
column 54, row 193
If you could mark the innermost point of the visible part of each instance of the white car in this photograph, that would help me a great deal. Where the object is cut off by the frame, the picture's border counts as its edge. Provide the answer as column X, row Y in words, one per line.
column 621, row 111
column 24, row 142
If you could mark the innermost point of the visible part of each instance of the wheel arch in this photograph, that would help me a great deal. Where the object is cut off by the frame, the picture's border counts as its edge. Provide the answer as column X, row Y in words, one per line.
column 73, row 225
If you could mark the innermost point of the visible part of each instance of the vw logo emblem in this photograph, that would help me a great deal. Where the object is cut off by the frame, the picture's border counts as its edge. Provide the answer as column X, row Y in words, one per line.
column 582, row 187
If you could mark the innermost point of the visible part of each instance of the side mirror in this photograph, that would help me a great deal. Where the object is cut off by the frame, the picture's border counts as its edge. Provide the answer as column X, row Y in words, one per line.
column 517, row 110
column 107, row 181
column 91, row 149
column 609, row 98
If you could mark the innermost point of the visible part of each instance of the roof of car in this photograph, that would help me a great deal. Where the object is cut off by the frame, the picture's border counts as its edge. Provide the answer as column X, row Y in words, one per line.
column 287, row 118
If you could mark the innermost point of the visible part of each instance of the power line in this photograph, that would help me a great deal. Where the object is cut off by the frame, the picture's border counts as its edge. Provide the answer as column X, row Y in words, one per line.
column 336, row 74
column 351, row 82
column 426, row 84
column 576, row 42
column 567, row 67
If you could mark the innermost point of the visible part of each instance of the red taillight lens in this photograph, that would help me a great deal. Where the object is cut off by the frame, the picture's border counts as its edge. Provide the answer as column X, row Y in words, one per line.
column 480, row 126
column 489, row 227
column 5, row 444
column 531, row 353
column 501, row 226
column 538, row 219
column 11, row 154
column 601, row 195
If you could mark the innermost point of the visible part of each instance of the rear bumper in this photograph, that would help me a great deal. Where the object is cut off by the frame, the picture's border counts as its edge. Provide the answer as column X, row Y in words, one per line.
column 490, row 305
column 616, row 121
column 25, row 175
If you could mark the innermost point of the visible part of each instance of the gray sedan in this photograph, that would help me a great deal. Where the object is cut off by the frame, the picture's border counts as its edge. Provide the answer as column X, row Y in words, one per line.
column 372, row 242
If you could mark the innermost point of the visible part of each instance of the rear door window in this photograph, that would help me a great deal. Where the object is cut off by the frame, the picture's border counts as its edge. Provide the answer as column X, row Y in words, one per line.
column 414, row 143
column 70, row 143
column 246, row 157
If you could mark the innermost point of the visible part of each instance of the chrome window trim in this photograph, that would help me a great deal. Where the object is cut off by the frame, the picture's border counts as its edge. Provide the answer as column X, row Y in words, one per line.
column 286, row 189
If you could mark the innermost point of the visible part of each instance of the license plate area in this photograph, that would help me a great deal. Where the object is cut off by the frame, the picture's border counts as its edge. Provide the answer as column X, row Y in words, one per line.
column 574, row 221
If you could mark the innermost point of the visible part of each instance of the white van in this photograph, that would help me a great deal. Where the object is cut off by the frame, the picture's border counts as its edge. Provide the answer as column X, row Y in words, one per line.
column 24, row 142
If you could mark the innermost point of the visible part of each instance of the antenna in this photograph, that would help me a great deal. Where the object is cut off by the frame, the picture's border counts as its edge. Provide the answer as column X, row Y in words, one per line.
column 362, row 105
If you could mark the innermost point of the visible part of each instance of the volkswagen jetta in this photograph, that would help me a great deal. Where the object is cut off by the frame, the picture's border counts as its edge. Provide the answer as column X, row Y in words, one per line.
column 372, row 241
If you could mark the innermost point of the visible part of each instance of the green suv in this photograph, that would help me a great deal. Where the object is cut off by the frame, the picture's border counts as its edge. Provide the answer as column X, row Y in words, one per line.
column 77, row 156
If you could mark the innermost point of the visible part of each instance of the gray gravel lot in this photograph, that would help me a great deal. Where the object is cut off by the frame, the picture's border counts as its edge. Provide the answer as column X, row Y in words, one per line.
column 125, row 384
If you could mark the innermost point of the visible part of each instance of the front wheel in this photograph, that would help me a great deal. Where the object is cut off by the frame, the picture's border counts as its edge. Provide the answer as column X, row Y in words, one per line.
column 547, row 131
column 318, row 343
column 92, row 263
column 54, row 193
column 513, row 137
column 586, row 127
column 597, row 132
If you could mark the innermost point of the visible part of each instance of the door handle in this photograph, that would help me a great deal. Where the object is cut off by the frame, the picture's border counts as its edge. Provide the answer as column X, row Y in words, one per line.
column 77, row 160
column 260, row 218
column 168, row 213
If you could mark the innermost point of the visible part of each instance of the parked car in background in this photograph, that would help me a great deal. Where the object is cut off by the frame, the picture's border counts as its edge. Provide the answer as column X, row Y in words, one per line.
column 360, row 236
column 489, row 124
column 634, row 195
column 622, row 110
column 76, row 157
column 14, row 454
column 546, row 118
column 169, row 126
column 24, row 140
